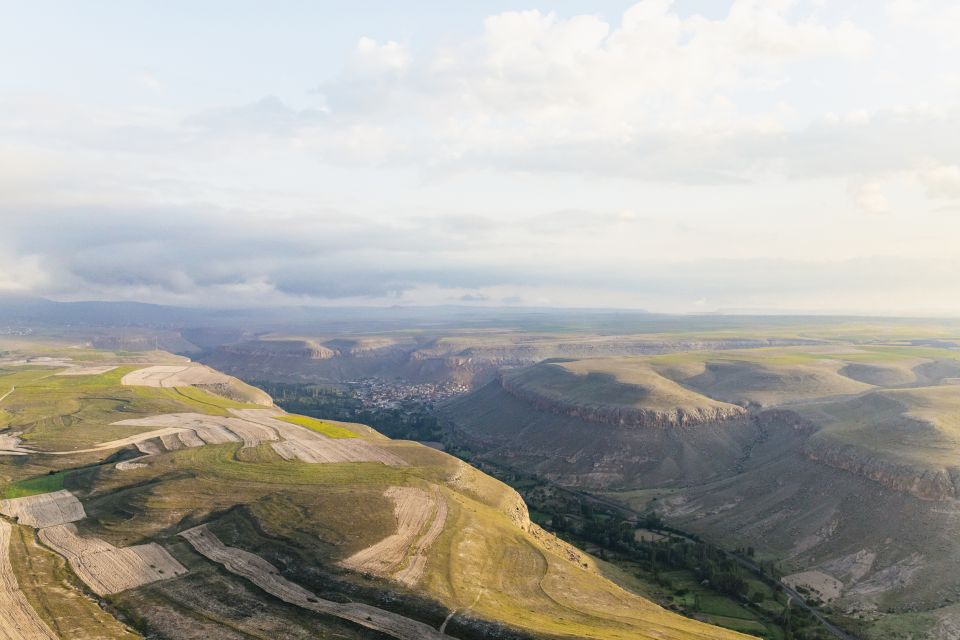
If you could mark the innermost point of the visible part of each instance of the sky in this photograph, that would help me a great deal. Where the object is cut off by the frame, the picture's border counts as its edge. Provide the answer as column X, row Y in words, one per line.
column 688, row 156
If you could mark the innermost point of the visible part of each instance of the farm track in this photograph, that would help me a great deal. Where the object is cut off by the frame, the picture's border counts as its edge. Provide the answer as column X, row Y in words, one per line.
column 265, row 575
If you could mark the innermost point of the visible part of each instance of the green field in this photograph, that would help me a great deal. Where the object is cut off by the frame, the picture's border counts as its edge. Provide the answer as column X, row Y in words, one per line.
column 328, row 429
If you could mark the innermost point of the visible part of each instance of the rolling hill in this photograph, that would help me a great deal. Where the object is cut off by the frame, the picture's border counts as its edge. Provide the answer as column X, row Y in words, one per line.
column 145, row 495
column 840, row 463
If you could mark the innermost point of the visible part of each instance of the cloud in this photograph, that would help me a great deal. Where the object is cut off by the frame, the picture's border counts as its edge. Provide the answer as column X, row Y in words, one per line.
column 21, row 273
column 233, row 257
column 147, row 81
column 540, row 92
column 655, row 95
column 269, row 115
column 937, row 18
column 566, row 221
column 941, row 181
column 870, row 197
column 657, row 159
column 372, row 58
column 208, row 254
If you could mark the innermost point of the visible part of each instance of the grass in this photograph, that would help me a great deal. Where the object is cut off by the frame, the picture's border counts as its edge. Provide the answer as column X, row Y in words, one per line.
column 61, row 413
column 209, row 594
column 765, row 376
column 920, row 425
column 319, row 512
column 323, row 512
column 693, row 380
column 195, row 395
column 328, row 429
column 608, row 381
column 720, row 606
column 35, row 486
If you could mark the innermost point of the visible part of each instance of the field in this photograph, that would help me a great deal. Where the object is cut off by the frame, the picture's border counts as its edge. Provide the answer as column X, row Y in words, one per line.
column 17, row 618
column 54, row 594
column 293, row 499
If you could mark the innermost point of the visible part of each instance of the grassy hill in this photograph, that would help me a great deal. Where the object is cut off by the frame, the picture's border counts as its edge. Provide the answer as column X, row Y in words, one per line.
column 843, row 464
column 479, row 567
column 628, row 386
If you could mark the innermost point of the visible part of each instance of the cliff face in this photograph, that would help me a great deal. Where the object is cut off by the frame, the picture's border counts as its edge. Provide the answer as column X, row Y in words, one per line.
column 785, row 418
column 415, row 358
column 927, row 483
column 620, row 415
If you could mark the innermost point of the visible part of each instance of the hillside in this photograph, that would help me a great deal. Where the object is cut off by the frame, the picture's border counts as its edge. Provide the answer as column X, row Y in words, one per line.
column 471, row 357
column 190, row 507
column 615, row 391
column 843, row 463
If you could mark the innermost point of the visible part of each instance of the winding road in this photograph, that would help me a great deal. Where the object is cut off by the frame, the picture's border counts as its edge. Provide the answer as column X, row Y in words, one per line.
column 4, row 396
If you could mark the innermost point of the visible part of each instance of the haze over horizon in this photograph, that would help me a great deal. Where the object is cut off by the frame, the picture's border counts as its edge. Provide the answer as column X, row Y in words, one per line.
column 685, row 156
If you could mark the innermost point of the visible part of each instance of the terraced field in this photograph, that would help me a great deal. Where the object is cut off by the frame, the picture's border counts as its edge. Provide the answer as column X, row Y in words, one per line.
column 172, row 504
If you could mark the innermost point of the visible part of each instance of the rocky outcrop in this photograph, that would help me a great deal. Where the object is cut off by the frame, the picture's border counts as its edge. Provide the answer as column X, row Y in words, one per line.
column 621, row 415
column 780, row 418
column 562, row 548
column 925, row 482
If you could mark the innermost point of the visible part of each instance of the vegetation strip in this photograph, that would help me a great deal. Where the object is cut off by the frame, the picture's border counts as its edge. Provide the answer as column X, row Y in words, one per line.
column 265, row 575
column 320, row 426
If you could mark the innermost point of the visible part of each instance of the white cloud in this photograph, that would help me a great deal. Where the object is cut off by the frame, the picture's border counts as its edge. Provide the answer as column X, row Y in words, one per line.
column 937, row 18
column 21, row 273
column 656, row 160
column 371, row 57
column 941, row 181
column 870, row 197
column 148, row 81
column 532, row 82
